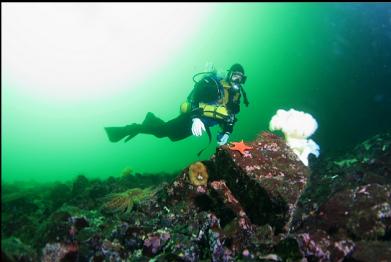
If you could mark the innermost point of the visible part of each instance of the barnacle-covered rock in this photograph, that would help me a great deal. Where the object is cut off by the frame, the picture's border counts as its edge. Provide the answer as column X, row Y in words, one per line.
column 362, row 213
column 267, row 180
column 239, row 209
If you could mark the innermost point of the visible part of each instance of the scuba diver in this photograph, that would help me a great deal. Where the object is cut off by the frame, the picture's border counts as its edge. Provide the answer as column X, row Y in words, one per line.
column 213, row 100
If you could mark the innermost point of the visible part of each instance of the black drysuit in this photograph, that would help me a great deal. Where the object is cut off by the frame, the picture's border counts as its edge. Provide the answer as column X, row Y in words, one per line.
column 208, row 90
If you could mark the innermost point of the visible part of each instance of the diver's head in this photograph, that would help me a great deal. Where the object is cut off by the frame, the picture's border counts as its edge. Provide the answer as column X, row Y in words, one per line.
column 236, row 74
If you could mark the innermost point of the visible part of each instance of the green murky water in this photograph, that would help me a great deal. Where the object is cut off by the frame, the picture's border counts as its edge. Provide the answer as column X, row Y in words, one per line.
column 65, row 77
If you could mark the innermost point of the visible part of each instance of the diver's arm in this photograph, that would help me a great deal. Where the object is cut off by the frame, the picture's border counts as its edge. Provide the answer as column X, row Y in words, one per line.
column 229, row 123
column 234, row 102
column 197, row 127
column 222, row 138
column 227, row 129
column 195, row 114
column 235, row 108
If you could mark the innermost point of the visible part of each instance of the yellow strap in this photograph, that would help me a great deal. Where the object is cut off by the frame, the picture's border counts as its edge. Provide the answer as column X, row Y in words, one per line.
column 226, row 86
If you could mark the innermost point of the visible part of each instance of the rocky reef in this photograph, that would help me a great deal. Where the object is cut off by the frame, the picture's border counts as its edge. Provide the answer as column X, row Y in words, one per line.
column 258, row 204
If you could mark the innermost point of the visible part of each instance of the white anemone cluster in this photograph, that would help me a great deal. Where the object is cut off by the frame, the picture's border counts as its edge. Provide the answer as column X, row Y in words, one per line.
column 297, row 126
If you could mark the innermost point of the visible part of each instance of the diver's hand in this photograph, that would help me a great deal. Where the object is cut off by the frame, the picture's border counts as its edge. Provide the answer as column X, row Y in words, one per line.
column 197, row 127
column 222, row 139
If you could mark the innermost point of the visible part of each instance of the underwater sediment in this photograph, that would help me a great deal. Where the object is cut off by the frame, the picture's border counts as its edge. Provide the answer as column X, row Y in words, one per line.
column 261, row 204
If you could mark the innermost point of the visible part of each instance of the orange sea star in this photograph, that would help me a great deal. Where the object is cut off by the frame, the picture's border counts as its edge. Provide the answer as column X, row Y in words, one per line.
column 240, row 146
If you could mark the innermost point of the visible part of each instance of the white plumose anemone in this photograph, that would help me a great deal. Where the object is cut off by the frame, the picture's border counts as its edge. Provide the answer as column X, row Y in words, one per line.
column 297, row 126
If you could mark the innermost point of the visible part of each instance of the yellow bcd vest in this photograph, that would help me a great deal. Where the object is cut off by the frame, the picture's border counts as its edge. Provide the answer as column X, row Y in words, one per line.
column 218, row 111
column 214, row 111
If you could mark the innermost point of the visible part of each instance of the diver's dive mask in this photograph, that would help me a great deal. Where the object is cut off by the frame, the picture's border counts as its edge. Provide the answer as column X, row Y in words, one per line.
column 238, row 78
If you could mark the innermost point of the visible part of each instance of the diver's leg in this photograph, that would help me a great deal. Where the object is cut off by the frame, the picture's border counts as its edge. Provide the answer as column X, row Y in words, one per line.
column 179, row 128
column 175, row 129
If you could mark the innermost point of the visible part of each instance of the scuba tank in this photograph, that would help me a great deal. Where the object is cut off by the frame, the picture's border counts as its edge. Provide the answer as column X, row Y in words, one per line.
column 186, row 106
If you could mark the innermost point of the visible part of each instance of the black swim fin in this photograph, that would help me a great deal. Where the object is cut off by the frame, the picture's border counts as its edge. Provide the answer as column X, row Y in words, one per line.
column 115, row 134
column 152, row 120
column 133, row 130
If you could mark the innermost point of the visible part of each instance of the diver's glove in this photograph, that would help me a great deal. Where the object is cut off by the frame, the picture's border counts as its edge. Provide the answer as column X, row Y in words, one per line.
column 222, row 138
column 197, row 127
